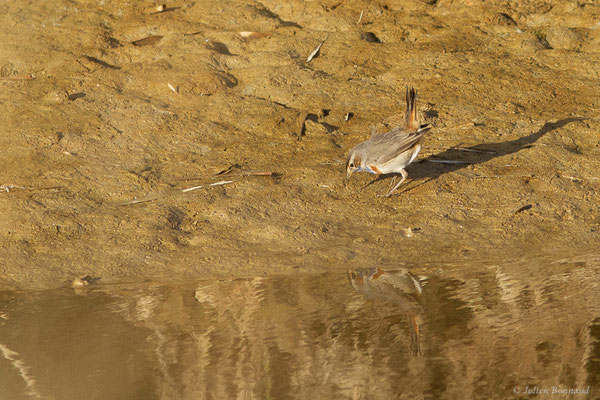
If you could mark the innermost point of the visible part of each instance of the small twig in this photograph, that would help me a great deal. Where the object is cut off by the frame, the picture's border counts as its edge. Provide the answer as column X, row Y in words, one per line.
column 572, row 178
column 228, row 170
column 143, row 199
column 173, row 88
column 523, row 208
column 172, row 193
column 8, row 188
column 83, row 65
column 360, row 17
column 314, row 53
column 575, row 179
column 191, row 189
column 221, row 183
column 228, row 173
column 256, row 173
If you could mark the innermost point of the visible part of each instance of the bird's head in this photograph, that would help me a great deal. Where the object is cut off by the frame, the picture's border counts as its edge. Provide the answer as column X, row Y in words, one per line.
column 355, row 160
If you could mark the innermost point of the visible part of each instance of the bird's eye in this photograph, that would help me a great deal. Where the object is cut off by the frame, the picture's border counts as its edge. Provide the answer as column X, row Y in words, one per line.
column 351, row 165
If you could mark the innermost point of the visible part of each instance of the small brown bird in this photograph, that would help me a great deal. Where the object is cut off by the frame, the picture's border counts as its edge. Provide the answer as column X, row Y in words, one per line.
column 398, row 287
column 390, row 153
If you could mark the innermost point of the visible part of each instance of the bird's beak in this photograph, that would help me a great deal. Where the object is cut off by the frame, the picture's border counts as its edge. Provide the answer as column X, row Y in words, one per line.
column 348, row 175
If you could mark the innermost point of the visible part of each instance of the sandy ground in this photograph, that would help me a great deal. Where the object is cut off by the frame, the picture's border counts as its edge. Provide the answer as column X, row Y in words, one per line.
column 511, row 87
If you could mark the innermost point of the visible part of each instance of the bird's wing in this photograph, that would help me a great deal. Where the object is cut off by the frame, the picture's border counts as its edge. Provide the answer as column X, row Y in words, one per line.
column 387, row 146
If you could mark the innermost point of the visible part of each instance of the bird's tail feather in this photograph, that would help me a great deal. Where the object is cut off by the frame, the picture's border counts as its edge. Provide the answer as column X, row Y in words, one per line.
column 411, row 109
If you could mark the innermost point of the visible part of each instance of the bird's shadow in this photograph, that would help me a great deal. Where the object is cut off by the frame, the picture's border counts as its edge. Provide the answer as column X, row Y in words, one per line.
column 478, row 154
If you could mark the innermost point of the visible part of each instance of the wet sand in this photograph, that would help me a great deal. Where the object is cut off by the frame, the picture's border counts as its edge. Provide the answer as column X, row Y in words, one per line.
column 511, row 88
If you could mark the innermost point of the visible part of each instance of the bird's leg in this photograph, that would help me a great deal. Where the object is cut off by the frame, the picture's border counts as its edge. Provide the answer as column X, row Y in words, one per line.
column 404, row 176
column 415, row 336
column 393, row 182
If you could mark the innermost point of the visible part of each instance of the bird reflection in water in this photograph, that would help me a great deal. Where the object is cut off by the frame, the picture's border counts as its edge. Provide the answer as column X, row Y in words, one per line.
column 398, row 287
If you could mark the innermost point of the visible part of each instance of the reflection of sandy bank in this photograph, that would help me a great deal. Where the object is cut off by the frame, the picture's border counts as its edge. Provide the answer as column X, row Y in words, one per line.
column 480, row 330
column 23, row 370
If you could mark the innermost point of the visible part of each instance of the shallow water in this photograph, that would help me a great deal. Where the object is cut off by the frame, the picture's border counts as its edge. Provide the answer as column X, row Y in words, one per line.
column 438, row 331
